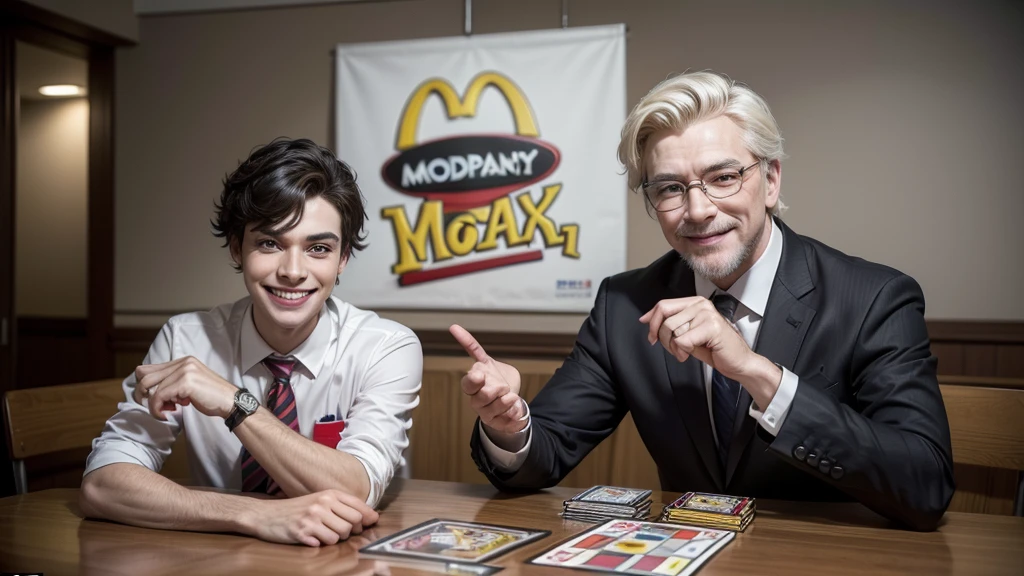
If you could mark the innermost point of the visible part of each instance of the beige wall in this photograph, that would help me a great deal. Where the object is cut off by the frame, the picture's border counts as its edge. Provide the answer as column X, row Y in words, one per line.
column 50, row 216
column 902, row 122
column 112, row 16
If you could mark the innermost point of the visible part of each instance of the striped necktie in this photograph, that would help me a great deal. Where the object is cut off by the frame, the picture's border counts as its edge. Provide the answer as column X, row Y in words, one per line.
column 280, row 401
column 725, row 392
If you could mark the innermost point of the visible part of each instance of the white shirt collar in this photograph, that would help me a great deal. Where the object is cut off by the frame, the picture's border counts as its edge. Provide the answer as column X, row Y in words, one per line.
column 310, row 353
column 753, row 288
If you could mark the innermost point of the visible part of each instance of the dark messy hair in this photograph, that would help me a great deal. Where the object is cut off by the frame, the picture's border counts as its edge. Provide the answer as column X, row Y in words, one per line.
column 269, row 191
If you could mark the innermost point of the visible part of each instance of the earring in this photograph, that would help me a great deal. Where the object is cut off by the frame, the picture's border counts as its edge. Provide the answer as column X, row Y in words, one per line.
column 337, row 280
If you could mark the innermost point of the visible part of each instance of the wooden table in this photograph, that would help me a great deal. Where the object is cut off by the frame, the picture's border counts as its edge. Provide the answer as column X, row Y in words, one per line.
column 45, row 532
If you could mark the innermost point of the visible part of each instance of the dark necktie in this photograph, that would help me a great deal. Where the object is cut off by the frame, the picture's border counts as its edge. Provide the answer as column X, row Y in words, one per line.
column 725, row 392
column 280, row 401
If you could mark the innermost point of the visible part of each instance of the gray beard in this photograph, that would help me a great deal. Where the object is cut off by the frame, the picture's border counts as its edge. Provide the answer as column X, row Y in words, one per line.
column 716, row 270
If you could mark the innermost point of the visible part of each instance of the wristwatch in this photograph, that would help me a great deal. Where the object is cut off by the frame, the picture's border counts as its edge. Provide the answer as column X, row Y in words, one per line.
column 245, row 405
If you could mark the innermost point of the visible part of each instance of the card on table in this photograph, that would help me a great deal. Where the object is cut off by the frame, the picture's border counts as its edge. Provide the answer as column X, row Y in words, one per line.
column 714, row 503
column 453, row 541
column 600, row 503
column 637, row 547
column 711, row 510
column 612, row 495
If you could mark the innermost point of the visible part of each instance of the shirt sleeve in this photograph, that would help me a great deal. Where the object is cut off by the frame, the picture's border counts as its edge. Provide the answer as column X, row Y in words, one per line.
column 133, row 435
column 377, row 426
column 773, row 416
column 508, row 457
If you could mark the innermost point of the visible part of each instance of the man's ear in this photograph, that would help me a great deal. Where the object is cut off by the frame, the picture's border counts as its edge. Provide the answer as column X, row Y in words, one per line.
column 773, row 182
column 341, row 268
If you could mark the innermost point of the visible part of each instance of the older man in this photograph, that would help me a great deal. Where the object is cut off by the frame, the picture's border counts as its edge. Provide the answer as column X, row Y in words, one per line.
column 754, row 361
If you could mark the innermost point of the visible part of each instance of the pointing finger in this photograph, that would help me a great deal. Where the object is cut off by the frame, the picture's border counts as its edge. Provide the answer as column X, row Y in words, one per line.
column 469, row 343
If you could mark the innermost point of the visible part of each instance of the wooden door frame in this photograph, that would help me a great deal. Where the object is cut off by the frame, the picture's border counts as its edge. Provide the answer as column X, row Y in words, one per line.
column 24, row 22
column 27, row 23
column 8, row 131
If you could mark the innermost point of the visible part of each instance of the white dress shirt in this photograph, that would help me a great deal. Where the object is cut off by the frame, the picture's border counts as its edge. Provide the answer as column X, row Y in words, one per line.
column 356, row 366
column 752, row 291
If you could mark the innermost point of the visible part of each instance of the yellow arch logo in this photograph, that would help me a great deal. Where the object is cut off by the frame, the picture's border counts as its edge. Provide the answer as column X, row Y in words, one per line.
column 464, row 107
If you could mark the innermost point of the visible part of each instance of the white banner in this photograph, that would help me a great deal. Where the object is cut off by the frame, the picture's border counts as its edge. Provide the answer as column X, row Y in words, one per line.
column 488, row 165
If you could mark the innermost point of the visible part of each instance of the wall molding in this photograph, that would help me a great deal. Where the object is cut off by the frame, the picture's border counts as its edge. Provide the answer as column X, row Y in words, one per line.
column 501, row 344
column 558, row 346
column 976, row 331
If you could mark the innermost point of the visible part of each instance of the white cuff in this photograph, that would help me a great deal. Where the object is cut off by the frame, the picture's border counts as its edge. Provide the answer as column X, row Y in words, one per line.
column 504, row 460
column 773, row 417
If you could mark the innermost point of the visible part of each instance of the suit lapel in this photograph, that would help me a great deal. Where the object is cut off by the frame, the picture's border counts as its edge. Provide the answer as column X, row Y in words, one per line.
column 687, row 382
column 781, row 334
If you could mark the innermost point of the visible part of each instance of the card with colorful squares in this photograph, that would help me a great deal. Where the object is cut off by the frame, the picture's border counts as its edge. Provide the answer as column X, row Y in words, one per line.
column 635, row 547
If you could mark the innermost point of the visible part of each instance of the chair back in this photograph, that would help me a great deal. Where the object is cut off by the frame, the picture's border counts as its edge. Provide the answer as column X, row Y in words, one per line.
column 986, row 426
column 52, row 419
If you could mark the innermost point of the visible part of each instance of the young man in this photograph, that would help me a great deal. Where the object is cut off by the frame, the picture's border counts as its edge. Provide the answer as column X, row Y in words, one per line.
column 754, row 361
column 292, row 396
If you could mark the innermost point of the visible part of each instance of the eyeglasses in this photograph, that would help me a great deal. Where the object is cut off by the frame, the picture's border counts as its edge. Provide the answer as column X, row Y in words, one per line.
column 668, row 195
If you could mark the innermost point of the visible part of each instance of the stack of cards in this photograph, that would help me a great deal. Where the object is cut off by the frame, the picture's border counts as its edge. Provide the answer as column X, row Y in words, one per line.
column 710, row 511
column 602, row 503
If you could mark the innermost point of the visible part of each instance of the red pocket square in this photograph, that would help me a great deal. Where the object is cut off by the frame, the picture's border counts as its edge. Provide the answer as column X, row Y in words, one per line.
column 328, row 433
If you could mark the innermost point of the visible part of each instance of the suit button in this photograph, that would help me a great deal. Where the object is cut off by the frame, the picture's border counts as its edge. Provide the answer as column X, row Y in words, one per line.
column 800, row 453
column 837, row 472
column 824, row 465
column 812, row 459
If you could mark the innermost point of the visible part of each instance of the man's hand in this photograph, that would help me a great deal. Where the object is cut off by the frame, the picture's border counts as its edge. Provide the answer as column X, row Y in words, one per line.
column 320, row 518
column 492, row 387
column 692, row 326
column 182, row 382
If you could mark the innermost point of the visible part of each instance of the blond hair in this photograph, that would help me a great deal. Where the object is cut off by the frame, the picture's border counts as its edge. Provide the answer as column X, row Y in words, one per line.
column 680, row 101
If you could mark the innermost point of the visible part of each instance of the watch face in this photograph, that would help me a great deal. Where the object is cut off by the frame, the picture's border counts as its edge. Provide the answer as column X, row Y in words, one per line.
column 247, row 402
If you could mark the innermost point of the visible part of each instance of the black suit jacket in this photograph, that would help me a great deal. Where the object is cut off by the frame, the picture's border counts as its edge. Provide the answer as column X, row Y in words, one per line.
column 867, row 421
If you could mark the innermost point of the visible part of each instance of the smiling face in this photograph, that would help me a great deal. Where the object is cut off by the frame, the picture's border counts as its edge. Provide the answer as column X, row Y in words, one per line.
column 290, row 274
column 719, row 239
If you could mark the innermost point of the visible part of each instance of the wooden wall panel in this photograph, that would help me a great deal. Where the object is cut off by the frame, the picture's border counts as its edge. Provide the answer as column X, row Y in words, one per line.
column 979, row 360
column 466, row 468
column 1009, row 360
column 434, row 426
column 950, row 356
column 978, row 348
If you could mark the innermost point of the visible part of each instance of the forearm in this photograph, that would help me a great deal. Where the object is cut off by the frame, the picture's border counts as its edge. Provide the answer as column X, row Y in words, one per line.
column 556, row 448
column 135, row 495
column 299, row 465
